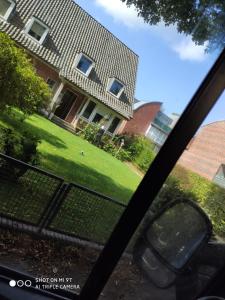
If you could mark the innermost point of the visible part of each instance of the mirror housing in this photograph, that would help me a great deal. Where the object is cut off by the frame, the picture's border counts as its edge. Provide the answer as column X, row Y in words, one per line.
column 170, row 240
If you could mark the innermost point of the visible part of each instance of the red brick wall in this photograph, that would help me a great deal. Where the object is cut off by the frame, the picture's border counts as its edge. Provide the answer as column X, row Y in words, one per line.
column 207, row 151
column 142, row 118
column 122, row 125
column 45, row 71
column 77, row 103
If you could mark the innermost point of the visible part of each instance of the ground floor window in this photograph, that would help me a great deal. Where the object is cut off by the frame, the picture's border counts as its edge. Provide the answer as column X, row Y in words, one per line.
column 89, row 109
column 114, row 125
column 220, row 176
column 51, row 83
column 156, row 135
column 97, row 118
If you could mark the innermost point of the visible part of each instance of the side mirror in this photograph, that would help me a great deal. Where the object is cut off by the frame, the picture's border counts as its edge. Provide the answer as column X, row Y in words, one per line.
column 171, row 239
column 176, row 234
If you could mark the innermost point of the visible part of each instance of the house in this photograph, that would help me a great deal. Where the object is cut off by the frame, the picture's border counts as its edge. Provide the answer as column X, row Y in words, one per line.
column 149, row 120
column 205, row 154
column 92, row 74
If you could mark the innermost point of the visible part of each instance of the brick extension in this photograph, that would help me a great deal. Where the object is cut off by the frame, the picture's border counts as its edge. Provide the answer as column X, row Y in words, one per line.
column 142, row 118
column 206, row 152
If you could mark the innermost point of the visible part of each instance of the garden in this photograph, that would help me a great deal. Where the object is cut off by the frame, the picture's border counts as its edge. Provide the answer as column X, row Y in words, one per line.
column 28, row 136
column 71, row 157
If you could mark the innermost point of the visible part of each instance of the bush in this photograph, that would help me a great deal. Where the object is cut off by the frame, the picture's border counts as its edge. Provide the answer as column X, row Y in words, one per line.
column 139, row 148
column 110, row 148
column 123, row 155
column 20, row 86
column 146, row 156
column 89, row 132
column 211, row 197
column 22, row 147
column 108, row 144
column 132, row 143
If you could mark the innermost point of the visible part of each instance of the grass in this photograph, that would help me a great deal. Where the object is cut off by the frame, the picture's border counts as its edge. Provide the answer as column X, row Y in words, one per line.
column 82, row 214
column 26, row 199
column 61, row 154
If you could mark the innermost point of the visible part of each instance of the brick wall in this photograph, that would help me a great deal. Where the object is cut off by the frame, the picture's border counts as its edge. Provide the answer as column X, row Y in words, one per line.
column 79, row 99
column 44, row 71
column 207, row 150
column 142, row 118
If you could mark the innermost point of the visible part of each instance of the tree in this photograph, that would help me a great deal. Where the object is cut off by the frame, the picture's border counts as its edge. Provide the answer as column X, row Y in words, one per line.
column 204, row 20
column 20, row 86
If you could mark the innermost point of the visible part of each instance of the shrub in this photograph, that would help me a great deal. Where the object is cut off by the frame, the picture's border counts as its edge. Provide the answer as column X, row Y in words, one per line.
column 208, row 195
column 89, row 132
column 123, row 155
column 20, row 86
column 132, row 143
column 144, row 159
column 140, row 150
column 110, row 148
column 22, row 147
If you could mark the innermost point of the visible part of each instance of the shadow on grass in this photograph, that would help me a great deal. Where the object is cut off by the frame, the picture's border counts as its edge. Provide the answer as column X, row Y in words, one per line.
column 88, row 177
column 16, row 121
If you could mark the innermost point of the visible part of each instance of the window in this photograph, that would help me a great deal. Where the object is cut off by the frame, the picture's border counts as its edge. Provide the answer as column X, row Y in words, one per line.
column 37, row 30
column 51, row 83
column 6, row 7
column 84, row 64
column 97, row 118
column 157, row 135
column 114, row 125
column 219, row 178
column 115, row 87
column 89, row 109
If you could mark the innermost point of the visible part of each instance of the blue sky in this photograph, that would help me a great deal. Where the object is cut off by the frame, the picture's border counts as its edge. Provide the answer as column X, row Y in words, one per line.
column 171, row 66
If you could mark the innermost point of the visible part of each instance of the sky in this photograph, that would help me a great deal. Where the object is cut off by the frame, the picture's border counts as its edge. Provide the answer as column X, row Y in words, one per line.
column 171, row 66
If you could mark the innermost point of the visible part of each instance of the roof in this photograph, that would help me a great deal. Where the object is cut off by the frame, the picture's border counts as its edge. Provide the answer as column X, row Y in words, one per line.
column 139, row 104
column 214, row 123
column 72, row 31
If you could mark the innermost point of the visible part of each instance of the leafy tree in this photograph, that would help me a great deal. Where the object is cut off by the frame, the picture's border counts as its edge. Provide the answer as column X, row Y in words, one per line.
column 203, row 19
column 20, row 86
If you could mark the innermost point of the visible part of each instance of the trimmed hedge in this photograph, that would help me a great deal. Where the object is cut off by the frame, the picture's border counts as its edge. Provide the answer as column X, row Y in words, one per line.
column 183, row 183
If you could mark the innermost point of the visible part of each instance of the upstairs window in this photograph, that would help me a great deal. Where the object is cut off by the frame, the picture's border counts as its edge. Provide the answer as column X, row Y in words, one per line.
column 37, row 30
column 6, row 7
column 115, row 87
column 84, row 64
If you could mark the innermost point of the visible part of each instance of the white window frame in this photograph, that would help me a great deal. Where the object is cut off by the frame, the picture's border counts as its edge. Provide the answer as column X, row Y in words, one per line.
column 92, row 114
column 98, row 109
column 117, row 127
column 54, row 85
column 30, row 24
column 110, row 83
column 9, row 11
column 77, row 60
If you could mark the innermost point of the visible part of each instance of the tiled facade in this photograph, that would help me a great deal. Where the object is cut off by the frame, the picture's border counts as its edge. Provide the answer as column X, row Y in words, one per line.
column 206, row 152
column 71, row 32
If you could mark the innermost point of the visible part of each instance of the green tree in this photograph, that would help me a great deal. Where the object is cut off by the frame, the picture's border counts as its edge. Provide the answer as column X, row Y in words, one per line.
column 20, row 86
column 203, row 19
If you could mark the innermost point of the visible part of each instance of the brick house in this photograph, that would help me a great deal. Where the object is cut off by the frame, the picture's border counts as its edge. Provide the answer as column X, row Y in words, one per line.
column 92, row 74
column 149, row 120
column 205, row 154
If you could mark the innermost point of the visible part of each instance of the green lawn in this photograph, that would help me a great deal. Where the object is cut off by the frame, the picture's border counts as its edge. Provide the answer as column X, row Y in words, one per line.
column 61, row 154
